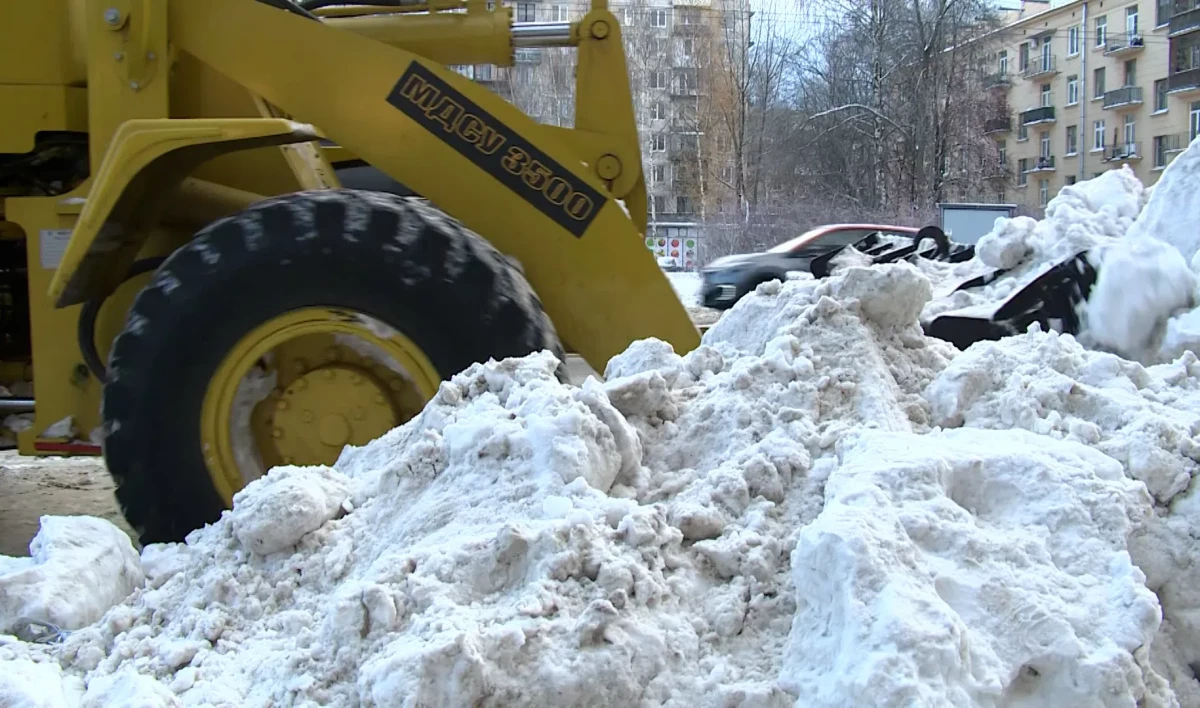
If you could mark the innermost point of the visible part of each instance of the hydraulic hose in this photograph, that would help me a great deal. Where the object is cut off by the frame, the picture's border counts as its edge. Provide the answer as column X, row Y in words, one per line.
column 86, row 331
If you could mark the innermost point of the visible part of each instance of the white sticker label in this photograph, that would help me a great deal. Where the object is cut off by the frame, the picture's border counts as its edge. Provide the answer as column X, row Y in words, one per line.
column 53, row 244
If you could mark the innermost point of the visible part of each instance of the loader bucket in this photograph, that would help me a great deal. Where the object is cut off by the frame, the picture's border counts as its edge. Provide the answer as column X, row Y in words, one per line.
column 1052, row 300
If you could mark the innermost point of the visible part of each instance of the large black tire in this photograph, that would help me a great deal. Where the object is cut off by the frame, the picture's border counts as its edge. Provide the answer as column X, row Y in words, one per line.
column 405, row 263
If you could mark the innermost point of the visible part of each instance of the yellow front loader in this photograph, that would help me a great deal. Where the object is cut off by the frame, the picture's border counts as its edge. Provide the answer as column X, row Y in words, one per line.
column 195, row 293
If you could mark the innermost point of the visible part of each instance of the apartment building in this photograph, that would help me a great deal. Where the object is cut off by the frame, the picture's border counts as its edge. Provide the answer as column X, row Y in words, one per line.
column 669, row 44
column 1089, row 86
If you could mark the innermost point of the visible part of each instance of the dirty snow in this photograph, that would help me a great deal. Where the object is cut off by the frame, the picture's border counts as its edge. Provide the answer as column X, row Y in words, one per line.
column 819, row 506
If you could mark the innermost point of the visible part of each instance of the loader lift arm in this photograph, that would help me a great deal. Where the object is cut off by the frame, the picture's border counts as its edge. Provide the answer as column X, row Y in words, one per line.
column 546, row 196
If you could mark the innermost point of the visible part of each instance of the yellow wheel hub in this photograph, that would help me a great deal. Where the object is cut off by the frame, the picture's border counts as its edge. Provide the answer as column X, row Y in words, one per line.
column 302, row 386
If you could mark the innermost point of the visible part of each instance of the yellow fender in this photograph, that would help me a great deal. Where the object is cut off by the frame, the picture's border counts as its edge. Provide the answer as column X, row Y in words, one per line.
column 146, row 160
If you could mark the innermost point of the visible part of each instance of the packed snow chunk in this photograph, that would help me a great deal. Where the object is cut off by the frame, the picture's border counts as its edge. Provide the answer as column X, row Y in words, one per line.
column 981, row 568
column 1172, row 213
column 888, row 296
column 275, row 511
column 1049, row 384
column 28, row 684
column 79, row 567
column 1088, row 214
column 1007, row 245
column 1141, row 283
column 128, row 689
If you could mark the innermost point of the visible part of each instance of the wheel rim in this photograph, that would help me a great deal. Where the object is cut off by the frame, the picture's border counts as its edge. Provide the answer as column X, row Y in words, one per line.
column 301, row 386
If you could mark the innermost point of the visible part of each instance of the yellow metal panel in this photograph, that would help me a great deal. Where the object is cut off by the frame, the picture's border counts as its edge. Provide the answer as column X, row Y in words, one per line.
column 62, row 387
column 39, row 45
column 199, row 91
column 449, row 38
column 147, row 159
column 599, row 283
column 127, row 73
column 29, row 109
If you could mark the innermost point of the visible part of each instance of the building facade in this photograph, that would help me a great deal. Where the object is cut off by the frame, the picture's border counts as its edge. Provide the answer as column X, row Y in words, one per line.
column 671, row 48
column 1089, row 86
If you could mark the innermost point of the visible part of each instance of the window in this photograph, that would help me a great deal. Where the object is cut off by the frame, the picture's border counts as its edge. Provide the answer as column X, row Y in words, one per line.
column 1022, row 172
column 624, row 16
column 1098, row 82
column 1072, row 139
column 686, row 16
column 1072, row 90
column 1194, row 121
column 1046, row 95
column 686, row 45
column 1160, row 96
column 1096, row 174
column 1003, row 63
column 658, row 142
column 1160, row 151
column 1001, row 196
column 658, row 111
column 557, row 13
column 1162, row 12
column 1101, row 31
column 1131, row 72
column 1023, row 56
column 660, row 204
column 1045, row 144
column 1098, row 135
column 1047, row 57
column 658, row 79
column 1070, row 179
column 1131, row 22
column 1002, row 152
column 1130, row 132
column 1073, row 41
column 658, row 18
column 658, row 173
column 727, row 173
column 1043, row 191
column 1022, row 132
column 526, row 12
column 683, row 205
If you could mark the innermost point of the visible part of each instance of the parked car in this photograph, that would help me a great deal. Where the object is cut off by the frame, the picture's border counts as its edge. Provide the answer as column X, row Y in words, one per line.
column 726, row 280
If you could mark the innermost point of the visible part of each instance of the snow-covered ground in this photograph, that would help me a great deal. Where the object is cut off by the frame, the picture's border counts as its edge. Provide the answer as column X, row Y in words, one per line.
column 819, row 506
column 687, row 287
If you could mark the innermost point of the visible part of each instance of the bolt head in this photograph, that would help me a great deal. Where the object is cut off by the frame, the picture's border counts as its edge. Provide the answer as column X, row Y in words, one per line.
column 307, row 416
column 112, row 16
column 135, row 85
column 277, row 433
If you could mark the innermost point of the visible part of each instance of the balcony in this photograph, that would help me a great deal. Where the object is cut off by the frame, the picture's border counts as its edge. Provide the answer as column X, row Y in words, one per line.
column 1124, row 96
column 1044, row 163
column 1185, row 82
column 1033, row 116
column 1123, row 152
column 1174, row 143
column 998, row 80
column 1040, row 66
column 1124, row 44
column 1185, row 19
column 996, row 170
column 1002, row 124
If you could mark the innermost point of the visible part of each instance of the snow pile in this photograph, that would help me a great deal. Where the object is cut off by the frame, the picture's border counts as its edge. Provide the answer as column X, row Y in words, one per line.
column 1146, row 418
column 969, row 569
column 768, row 520
column 1173, row 213
column 1142, row 282
column 78, row 568
column 1081, row 217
